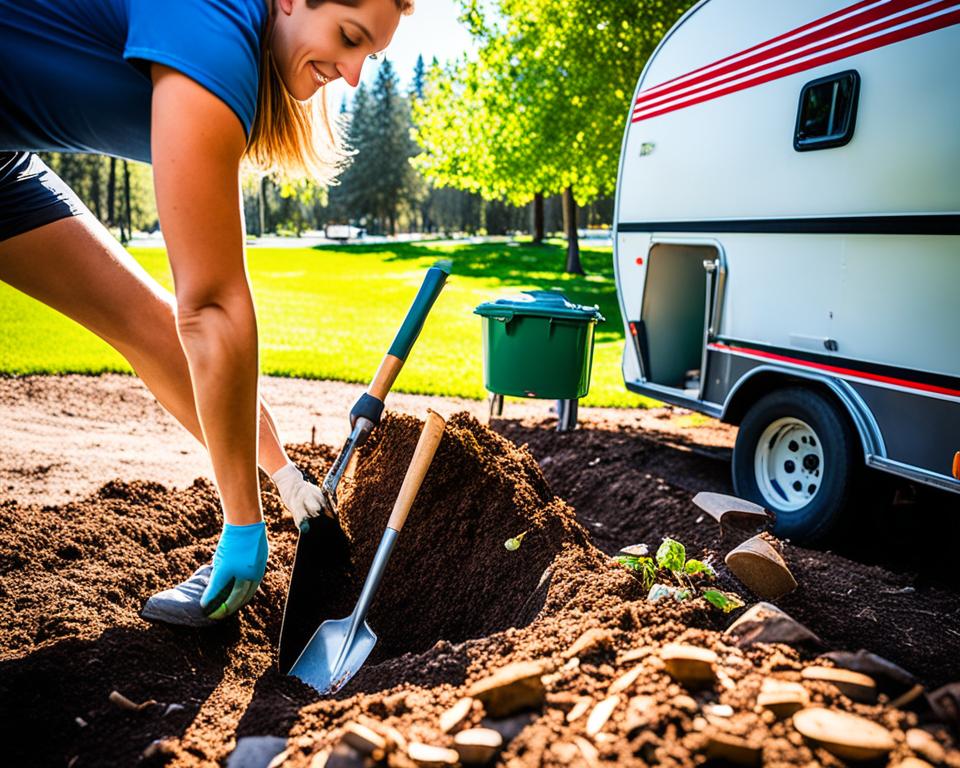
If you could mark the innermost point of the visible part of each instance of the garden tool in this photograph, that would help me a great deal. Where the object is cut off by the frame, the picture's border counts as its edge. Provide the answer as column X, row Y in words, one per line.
column 366, row 412
column 339, row 647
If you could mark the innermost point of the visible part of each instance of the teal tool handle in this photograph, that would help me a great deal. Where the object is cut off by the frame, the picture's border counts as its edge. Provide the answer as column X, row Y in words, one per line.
column 432, row 283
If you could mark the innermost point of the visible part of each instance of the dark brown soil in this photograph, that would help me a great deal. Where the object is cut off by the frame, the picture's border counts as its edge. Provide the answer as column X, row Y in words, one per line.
column 454, row 606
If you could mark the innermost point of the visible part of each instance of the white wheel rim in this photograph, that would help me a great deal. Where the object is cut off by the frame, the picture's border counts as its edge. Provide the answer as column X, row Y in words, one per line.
column 789, row 464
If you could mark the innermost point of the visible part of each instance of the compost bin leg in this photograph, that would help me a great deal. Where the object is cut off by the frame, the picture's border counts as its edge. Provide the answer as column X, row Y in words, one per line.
column 567, row 415
column 496, row 405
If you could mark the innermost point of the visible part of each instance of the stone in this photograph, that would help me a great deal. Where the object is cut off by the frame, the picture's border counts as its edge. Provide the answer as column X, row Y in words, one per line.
column 256, row 751
column 892, row 679
column 477, row 746
column 733, row 749
column 782, row 697
column 722, row 508
column 635, row 550
column 429, row 756
column 625, row 680
column 511, row 689
column 847, row 736
column 853, row 685
column 761, row 568
column 924, row 744
column 718, row 710
column 579, row 709
column 589, row 752
column 689, row 665
column 365, row 740
column 765, row 623
column 589, row 642
column 453, row 718
column 600, row 714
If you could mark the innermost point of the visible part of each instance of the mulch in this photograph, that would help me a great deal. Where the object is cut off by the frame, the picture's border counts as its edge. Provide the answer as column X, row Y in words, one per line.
column 455, row 605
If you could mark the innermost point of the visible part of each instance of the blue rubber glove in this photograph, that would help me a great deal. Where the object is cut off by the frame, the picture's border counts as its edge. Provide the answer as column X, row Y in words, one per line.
column 238, row 566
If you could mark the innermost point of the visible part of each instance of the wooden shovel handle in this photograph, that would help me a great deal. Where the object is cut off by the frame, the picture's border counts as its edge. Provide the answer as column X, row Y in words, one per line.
column 419, row 464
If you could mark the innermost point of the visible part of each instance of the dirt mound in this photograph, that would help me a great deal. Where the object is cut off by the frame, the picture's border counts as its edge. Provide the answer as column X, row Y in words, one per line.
column 455, row 605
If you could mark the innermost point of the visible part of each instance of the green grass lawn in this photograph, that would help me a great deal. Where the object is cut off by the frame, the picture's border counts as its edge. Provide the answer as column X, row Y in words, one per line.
column 331, row 313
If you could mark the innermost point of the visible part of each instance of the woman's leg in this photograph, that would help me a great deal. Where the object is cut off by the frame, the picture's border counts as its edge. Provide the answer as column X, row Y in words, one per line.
column 75, row 266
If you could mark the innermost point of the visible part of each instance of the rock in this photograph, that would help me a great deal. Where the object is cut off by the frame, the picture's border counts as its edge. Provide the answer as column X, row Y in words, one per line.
column 579, row 709
column 765, row 623
column 589, row 642
column 428, row 756
column 722, row 508
column 891, row 678
column 761, row 568
column 689, row 665
column 81, row 723
column 924, row 744
column 782, row 697
column 636, row 550
column 256, row 751
column 717, row 710
column 365, row 740
column 625, row 680
column 733, row 749
column 172, row 708
column 453, row 718
column 477, row 746
column 511, row 689
column 600, row 714
column 851, row 684
column 847, row 736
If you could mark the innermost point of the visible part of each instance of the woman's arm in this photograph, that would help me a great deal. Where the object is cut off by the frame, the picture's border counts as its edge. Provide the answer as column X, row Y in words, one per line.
column 197, row 144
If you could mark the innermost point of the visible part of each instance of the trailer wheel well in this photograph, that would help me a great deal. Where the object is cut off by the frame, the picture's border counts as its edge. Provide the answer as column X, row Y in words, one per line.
column 764, row 383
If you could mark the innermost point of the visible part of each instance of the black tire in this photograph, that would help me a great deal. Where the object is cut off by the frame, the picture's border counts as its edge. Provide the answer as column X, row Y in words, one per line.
column 837, row 471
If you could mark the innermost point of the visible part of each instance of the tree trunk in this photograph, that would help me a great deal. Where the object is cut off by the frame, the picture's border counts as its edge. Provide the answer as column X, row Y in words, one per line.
column 538, row 233
column 126, row 202
column 570, row 227
column 112, row 193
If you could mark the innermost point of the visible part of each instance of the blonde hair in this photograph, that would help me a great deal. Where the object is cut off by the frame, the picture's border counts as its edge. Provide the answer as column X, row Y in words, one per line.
column 296, row 139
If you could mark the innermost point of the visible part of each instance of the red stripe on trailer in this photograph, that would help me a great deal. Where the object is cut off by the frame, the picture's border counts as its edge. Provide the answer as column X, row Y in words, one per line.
column 878, row 18
column 915, row 30
column 848, row 372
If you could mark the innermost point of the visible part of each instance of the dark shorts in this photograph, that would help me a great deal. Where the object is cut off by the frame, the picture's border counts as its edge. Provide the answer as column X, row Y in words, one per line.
column 32, row 195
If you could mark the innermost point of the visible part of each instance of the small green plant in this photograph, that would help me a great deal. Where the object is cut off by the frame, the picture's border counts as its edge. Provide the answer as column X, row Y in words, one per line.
column 512, row 545
column 671, row 564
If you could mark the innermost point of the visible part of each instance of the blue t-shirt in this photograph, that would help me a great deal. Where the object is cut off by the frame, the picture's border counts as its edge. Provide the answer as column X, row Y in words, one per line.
column 75, row 74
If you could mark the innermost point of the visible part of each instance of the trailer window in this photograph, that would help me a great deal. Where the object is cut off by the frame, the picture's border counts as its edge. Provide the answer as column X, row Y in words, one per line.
column 827, row 112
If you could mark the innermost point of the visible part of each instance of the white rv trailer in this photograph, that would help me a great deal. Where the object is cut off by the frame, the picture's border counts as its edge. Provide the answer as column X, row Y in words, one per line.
column 787, row 241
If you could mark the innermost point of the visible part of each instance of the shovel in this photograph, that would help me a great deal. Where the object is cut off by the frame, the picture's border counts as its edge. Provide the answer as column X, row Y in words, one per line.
column 339, row 647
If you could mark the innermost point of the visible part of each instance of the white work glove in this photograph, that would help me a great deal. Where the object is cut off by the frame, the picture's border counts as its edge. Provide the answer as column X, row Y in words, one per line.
column 302, row 498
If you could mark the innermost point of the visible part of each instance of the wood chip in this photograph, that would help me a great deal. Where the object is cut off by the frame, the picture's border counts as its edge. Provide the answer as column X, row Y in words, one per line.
column 761, row 568
column 720, row 505
column 121, row 701
column 852, row 684
column 512, row 688
column 846, row 736
column 477, row 746
column 428, row 756
column 579, row 709
column 634, row 654
column 365, row 740
column 689, row 665
column 600, row 714
column 782, row 697
column 765, row 623
column 589, row 752
column 625, row 680
column 453, row 718
column 589, row 642
column 734, row 749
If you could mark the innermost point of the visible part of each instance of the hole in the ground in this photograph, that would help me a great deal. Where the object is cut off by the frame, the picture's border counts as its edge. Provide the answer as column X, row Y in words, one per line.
column 449, row 576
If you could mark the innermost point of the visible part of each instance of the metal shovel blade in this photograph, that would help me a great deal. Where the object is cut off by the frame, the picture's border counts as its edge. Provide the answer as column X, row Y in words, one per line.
column 318, row 664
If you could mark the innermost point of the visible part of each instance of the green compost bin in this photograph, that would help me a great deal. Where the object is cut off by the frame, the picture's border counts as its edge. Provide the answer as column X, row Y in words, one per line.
column 538, row 344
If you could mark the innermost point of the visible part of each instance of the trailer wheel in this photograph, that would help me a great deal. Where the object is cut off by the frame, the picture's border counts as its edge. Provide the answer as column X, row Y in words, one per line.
column 796, row 455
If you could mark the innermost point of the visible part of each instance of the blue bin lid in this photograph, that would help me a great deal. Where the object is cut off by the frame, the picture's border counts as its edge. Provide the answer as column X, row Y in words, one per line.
column 538, row 304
